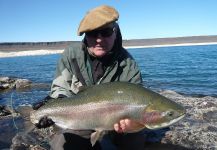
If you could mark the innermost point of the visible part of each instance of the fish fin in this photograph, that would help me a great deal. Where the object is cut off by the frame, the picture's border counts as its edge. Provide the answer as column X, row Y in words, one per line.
column 95, row 136
column 137, row 129
column 135, row 126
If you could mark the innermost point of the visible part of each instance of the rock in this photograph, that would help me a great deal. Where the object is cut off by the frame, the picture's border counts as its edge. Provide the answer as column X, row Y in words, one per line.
column 37, row 139
column 6, row 83
column 4, row 86
column 4, row 111
column 22, row 83
column 198, row 129
column 210, row 116
column 4, row 79
column 10, row 83
column 212, row 129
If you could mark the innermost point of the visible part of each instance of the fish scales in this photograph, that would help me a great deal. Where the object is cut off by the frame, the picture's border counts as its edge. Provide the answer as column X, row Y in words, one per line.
column 101, row 106
column 84, row 116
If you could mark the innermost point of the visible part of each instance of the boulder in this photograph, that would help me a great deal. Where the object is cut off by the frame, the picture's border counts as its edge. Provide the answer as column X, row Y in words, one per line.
column 12, row 82
column 22, row 83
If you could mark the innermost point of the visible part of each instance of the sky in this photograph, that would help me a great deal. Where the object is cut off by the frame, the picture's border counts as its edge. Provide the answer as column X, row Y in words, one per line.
column 58, row 20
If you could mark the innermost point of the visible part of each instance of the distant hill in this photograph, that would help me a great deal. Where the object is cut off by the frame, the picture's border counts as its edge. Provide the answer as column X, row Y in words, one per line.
column 171, row 41
column 17, row 46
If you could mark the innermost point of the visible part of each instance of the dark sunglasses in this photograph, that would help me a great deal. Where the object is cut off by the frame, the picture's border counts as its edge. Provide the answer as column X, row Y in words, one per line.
column 106, row 32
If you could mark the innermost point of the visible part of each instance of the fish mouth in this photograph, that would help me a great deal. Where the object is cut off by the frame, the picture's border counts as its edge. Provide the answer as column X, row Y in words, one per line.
column 162, row 125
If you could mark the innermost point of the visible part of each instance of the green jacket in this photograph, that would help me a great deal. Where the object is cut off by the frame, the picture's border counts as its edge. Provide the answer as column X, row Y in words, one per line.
column 119, row 67
column 122, row 68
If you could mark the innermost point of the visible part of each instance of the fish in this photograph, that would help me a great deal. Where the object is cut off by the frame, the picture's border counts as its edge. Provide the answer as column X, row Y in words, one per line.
column 99, row 107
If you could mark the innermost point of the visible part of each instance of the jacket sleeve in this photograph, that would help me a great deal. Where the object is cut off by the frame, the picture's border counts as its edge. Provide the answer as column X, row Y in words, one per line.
column 64, row 78
column 132, row 72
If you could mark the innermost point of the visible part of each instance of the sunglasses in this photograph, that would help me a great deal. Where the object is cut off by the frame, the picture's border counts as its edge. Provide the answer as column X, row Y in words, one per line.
column 106, row 32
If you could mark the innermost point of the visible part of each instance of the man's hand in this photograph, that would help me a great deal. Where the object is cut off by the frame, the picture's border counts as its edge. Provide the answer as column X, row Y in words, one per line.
column 127, row 125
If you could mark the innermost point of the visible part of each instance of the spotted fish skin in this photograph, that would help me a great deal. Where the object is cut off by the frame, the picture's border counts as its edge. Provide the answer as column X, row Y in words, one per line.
column 99, row 107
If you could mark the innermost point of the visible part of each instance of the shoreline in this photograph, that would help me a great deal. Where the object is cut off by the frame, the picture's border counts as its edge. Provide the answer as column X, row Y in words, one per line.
column 4, row 54
column 29, row 53
column 171, row 45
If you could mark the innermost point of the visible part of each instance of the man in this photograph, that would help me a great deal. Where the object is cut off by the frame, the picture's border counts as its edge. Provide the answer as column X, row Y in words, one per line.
column 99, row 59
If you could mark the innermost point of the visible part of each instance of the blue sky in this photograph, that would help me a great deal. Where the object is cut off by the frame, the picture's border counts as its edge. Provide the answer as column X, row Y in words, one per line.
column 58, row 20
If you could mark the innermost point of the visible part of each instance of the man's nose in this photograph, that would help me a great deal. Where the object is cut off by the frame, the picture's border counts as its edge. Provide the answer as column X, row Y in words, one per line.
column 99, row 37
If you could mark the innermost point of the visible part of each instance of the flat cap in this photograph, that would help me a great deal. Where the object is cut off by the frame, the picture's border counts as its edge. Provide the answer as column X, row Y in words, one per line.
column 97, row 18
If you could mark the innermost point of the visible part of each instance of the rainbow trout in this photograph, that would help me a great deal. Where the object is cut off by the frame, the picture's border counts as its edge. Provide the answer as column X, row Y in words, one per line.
column 101, row 106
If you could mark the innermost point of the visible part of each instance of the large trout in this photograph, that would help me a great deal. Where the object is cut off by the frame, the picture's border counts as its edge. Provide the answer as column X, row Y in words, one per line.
column 101, row 106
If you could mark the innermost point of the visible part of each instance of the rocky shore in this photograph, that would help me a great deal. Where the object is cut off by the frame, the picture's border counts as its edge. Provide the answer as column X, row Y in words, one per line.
column 10, row 83
column 198, row 130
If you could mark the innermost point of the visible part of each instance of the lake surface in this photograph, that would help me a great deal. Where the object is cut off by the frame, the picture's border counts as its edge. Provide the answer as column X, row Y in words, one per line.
column 190, row 70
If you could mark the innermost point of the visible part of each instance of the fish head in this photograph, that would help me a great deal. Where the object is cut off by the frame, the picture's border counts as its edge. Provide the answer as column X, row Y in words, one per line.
column 162, row 113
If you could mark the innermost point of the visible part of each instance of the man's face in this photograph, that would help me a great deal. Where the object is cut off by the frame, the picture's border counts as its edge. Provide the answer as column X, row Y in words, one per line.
column 101, row 41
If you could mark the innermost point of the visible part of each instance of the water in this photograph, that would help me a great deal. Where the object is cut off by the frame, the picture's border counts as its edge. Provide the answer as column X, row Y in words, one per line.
column 38, row 69
column 189, row 70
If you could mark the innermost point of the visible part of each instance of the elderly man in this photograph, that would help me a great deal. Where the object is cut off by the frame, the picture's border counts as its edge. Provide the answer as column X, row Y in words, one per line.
column 99, row 59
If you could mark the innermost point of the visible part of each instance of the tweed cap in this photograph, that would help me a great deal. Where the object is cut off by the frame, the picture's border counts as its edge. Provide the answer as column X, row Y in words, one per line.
column 97, row 18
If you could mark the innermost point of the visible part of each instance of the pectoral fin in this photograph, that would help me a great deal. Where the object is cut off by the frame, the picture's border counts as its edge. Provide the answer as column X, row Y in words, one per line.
column 95, row 136
column 135, row 127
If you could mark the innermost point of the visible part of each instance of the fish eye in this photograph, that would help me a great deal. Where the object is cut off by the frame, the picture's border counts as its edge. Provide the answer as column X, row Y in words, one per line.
column 170, row 113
